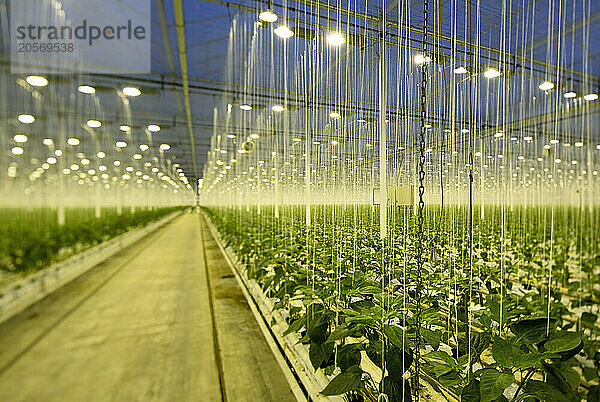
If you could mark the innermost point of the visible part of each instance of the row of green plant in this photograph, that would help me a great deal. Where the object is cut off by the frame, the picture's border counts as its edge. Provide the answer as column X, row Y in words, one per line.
column 32, row 239
column 509, row 300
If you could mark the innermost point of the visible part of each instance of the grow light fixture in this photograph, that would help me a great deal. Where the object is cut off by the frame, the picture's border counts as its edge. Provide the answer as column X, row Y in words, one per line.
column 579, row 144
column 460, row 70
column 335, row 115
column 296, row 139
column 101, row 155
column 85, row 161
column 336, row 39
column 554, row 141
column 125, row 128
column 153, row 128
column 73, row 141
column 245, row 107
column 491, row 73
column 528, row 138
column 420, row 59
column 48, row 142
column 590, row 97
column 36, row 81
column 570, row 94
column 132, row 91
column 499, row 134
column 86, row 89
column 121, row 144
column 165, row 147
column 283, row 32
column 143, row 147
column 20, row 138
column 93, row 123
column 51, row 160
column 58, row 152
column 278, row 108
column 254, row 136
column 26, row 118
column 546, row 86
column 268, row 16
column 17, row 151
column 334, row 142
column 137, row 156
column 74, row 166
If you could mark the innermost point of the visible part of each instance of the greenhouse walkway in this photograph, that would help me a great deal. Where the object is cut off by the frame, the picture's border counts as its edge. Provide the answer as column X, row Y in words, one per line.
column 138, row 327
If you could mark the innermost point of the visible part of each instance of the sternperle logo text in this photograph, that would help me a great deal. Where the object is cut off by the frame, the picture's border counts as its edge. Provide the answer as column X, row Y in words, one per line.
column 83, row 31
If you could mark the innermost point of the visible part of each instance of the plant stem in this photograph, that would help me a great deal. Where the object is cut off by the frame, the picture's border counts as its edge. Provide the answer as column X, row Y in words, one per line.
column 529, row 374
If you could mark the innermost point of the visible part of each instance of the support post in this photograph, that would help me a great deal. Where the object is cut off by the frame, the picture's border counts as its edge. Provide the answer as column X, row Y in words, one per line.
column 382, row 131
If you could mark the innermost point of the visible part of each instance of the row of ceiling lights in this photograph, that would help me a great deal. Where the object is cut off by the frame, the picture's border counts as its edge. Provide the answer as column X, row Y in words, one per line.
column 29, row 119
column 337, row 39
column 494, row 73
column 39, row 81
column 334, row 38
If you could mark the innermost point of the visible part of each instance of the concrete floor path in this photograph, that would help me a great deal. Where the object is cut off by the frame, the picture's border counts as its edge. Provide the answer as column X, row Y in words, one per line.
column 138, row 327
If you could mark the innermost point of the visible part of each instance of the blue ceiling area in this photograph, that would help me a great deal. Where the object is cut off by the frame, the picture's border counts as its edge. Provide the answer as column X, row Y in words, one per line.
column 523, row 34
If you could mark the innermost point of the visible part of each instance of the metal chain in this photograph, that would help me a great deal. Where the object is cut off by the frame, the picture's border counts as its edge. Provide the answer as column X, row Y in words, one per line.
column 420, row 217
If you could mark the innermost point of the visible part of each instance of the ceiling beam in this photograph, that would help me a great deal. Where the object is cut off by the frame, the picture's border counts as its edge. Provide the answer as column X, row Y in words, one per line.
column 179, row 20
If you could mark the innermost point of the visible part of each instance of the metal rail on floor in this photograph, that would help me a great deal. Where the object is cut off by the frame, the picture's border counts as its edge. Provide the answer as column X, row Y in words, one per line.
column 24, row 292
column 292, row 356
column 211, row 308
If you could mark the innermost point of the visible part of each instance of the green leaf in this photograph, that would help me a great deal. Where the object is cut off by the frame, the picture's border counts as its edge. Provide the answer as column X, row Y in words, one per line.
column 504, row 352
column 450, row 379
column 345, row 382
column 319, row 353
column 441, row 356
column 395, row 335
column 493, row 383
column 543, row 391
column 509, row 356
column 562, row 341
column 470, row 392
column 373, row 351
column 594, row 394
column 339, row 333
column 295, row 326
column 588, row 320
column 397, row 391
column 532, row 330
column 441, row 369
column 317, row 328
column 562, row 376
column 590, row 373
column 397, row 362
column 348, row 356
column 432, row 337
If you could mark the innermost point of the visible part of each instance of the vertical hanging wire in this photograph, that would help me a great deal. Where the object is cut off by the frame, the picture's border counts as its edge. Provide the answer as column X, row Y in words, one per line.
column 421, row 205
